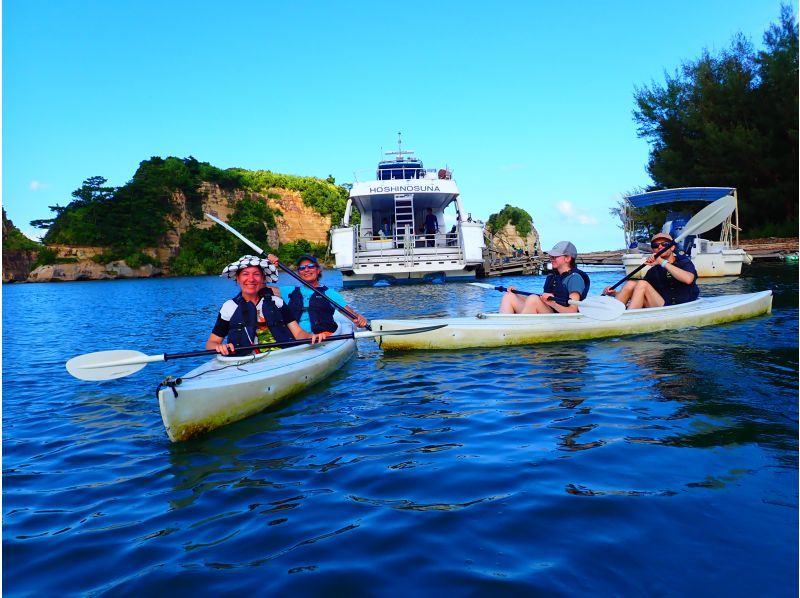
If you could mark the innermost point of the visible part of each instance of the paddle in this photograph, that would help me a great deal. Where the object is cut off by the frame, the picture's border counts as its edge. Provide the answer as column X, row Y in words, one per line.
column 710, row 216
column 108, row 365
column 596, row 308
column 294, row 275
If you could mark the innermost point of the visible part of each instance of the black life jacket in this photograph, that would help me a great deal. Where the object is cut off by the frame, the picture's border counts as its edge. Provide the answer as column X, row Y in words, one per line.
column 244, row 321
column 673, row 291
column 554, row 283
column 320, row 311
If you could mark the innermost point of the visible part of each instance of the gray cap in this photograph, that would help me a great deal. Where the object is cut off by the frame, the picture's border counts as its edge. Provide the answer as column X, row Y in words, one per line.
column 564, row 248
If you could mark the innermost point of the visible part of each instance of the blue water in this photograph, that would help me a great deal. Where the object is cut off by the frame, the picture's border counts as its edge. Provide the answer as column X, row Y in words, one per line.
column 653, row 465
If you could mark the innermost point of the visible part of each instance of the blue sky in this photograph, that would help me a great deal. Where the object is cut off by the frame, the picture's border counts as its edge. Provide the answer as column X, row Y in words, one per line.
column 529, row 103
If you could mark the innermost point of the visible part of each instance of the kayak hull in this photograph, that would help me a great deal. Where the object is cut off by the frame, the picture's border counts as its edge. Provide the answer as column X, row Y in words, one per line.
column 226, row 390
column 499, row 330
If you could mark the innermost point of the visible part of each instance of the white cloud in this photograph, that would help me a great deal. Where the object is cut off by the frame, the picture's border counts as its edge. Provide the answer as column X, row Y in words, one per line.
column 38, row 186
column 574, row 215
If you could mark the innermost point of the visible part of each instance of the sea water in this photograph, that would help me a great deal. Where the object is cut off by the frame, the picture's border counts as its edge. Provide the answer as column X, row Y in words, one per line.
column 662, row 464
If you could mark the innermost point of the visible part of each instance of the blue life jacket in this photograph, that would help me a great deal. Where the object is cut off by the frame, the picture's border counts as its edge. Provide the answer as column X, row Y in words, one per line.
column 673, row 291
column 320, row 311
column 554, row 283
column 244, row 321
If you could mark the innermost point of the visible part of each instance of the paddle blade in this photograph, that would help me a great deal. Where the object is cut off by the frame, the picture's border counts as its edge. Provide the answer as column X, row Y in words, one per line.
column 710, row 216
column 483, row 285
column 600, row 308
column 107, row 365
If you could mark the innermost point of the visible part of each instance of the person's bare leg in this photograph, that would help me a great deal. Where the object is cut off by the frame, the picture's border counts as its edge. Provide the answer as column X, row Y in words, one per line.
column 652, row 298
column 625, row 293
column 535, row 305
column 512, row 304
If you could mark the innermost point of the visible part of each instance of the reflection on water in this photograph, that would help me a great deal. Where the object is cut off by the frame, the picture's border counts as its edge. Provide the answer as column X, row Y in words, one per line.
column 589, row 466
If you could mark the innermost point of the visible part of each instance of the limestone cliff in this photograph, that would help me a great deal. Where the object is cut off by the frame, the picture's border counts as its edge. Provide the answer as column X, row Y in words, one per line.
column 19, row 252
column 295, row 221
column 504, row 240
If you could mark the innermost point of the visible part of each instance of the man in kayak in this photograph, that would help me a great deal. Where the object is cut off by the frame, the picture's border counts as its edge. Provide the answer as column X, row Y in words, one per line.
column 257, row 315
column 311, row 311
column 671, row 279
column 565, row 283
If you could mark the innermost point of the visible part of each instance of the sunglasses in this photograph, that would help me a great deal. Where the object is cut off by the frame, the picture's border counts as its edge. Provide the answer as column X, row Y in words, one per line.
column 662, row 244
column 306, row 267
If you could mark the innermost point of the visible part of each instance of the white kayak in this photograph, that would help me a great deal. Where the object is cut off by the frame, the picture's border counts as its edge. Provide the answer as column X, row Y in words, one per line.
column 227, row 389
column 497, row 330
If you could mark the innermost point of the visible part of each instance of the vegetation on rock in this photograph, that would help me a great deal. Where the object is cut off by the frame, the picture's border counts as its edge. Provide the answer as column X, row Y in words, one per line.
column 522, row 221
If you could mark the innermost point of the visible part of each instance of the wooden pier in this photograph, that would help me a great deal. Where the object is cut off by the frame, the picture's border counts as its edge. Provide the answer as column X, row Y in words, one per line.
column 771, row 249
column 497, row 265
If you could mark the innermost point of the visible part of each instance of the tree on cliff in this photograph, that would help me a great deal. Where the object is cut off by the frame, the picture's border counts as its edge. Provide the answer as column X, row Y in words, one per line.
column 522, row 221
column 731, row 120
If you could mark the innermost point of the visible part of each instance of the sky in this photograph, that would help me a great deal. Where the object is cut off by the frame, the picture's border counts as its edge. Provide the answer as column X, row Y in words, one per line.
column 528, row 103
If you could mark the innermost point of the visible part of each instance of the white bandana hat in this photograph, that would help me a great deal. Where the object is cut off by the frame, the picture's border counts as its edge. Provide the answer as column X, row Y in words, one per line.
column 270, row 271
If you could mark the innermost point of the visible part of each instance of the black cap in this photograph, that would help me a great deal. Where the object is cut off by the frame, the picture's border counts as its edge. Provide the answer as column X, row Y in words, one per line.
column 307, row 257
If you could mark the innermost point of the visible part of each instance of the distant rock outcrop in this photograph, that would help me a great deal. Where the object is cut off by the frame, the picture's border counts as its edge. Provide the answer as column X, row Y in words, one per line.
column 507, row 239
column 89, row 270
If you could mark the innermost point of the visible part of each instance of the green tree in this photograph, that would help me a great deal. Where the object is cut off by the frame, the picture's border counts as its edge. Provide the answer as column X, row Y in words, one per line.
column 731, row 120
column 522, row 221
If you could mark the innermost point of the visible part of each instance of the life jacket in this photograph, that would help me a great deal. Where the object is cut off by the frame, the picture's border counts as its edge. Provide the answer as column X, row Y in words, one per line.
column 320, row 311
column 554, row 283
column 673, row 291
column 244, row 321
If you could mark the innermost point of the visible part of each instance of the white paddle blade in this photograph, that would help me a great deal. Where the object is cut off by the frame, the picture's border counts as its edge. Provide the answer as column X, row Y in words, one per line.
column 482, row 285
column 108, row 365
column 710, row 216
column 600, row 308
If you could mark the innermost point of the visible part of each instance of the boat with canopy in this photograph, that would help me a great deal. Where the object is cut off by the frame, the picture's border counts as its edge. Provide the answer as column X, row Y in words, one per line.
column 710, row 258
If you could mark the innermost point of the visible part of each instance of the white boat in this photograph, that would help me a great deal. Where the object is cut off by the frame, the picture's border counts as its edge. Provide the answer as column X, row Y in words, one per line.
column 401, row 193
column 228, row 389
column 500, row 330
column 710, row 258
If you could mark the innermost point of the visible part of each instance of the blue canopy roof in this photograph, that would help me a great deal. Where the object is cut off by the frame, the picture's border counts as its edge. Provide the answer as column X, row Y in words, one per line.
column 653, row 198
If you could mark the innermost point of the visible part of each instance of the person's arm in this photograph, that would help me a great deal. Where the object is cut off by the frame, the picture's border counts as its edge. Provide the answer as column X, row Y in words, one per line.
column 216, row 343
column 678, row 273
column 334, row 296
column 217, row 337
column 299, row 333
column 564, row 309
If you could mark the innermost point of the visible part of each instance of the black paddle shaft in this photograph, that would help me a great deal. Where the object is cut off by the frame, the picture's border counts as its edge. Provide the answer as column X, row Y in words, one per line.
column 504, row 289
column 294, row 343
column 640, row 266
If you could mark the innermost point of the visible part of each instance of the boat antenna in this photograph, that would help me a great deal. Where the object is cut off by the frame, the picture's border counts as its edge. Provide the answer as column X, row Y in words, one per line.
column 399, row 153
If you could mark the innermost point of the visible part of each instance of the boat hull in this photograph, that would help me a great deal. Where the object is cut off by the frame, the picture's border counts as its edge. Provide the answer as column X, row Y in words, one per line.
column 498, row 330
column 223, row 391
column 727, row 262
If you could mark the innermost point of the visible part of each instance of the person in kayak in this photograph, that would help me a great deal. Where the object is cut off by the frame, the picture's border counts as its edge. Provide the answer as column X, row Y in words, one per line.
column 671, row 279
column 565, row 283
column 311, row 311
column 257, row 315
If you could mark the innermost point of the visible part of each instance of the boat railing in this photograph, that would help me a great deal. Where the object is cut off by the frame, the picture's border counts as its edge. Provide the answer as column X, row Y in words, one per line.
column 406, row 244
column 404, row 173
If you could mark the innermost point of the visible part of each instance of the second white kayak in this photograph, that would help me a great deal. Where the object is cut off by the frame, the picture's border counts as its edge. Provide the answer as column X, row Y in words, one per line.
column 497, row 330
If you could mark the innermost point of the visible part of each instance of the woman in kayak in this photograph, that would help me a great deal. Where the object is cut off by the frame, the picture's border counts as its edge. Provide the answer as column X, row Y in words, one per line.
column 565, row 283
column 671, row 279
column 311, row 311
column 257, row 315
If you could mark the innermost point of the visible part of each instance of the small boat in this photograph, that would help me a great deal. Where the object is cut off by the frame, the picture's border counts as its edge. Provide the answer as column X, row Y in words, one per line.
column 228, row 389
column 387, row 246
column 499, row 330
column 710, row 258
